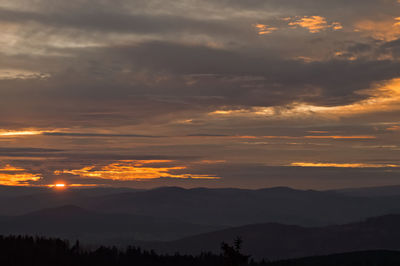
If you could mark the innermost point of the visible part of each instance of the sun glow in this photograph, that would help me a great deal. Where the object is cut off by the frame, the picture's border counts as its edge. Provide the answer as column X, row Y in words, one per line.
column 58, row 185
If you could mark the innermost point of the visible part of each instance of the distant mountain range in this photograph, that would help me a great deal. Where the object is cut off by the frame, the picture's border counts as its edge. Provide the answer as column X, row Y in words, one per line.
column 73, row 222
column 216, row 207
column 266, row 240
column 275, row 223
column 276, row 241
column 371, row 191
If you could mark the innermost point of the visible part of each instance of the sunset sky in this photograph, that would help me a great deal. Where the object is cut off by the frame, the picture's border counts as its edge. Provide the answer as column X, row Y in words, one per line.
column 210, row 93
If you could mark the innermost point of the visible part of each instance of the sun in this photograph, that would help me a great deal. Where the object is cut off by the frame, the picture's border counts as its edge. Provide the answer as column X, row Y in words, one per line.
column 58, row 186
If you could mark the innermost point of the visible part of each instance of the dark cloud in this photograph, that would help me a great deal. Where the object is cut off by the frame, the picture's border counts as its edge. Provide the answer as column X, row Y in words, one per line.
column 27, row 150
column 113, row 22
column 160, row 68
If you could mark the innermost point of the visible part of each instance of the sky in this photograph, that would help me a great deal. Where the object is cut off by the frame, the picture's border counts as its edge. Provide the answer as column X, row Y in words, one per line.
column 200, row 93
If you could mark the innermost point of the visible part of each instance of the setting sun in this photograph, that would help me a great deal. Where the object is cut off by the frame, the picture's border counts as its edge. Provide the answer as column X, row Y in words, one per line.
column 58, row 185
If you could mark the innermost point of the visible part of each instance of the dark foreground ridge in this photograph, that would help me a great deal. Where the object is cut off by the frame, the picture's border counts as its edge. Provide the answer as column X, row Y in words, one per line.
column 24, row 250
column 279, row 241
column 39, row 251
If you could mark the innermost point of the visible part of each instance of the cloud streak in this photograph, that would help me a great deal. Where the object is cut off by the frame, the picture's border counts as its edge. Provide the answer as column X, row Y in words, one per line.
column 344, row 165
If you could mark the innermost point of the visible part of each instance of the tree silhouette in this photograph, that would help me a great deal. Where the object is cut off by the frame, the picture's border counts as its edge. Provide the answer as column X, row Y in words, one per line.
column 232, row 254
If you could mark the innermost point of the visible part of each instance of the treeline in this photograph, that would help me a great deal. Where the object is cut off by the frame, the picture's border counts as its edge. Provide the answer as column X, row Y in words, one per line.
column 32, row 251
column 38, row 251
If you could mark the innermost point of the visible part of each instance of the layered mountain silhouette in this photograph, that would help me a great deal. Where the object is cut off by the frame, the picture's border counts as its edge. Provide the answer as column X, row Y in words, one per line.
column 275, row 223
column 218, row 207
column 278, row 241
column 73, row 222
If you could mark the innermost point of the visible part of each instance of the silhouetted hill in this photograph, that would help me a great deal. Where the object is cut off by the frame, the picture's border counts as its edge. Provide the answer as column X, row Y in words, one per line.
column 385, row 191
column 236, row 207
column 226, row 207
column 20, row 200
column 360, row 258
column 73, row 222
column 277, row 241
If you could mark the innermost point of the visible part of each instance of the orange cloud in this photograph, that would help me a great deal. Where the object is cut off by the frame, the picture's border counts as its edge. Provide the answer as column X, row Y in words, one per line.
column 385, row 30
column 383, row 97
column 137, row 170
column 397, row 24
column 264, row 29
column 10, row 133
column 333, row 137
column 341, row 137
column 14, row 176
column 315, row 24
column 393, row 128
column 6, row 74
column 344, row 165
column 9, row 168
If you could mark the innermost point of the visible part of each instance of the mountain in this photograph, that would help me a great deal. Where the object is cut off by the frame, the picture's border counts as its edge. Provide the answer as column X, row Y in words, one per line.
column 278, row 241
column 73, row 222
column 218, row 207
column 235, row 207
column 360, row 258
column 385, row 191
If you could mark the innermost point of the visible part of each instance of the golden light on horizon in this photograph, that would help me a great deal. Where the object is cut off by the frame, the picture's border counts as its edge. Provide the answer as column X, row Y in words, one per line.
column 64, row 185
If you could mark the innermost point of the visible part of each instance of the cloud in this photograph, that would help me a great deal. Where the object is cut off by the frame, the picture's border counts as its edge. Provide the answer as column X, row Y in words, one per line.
column 264, row 29
column 383, row 97
column 387, row 29
column 81, row 134
column 393, row 128
column 314, row 24
column 110, row 20
column 21, row 74
column 11, row 133
column 331, row 137
column 134, row 171
column 15, row 176
column 103, row 81
column 344, row 165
